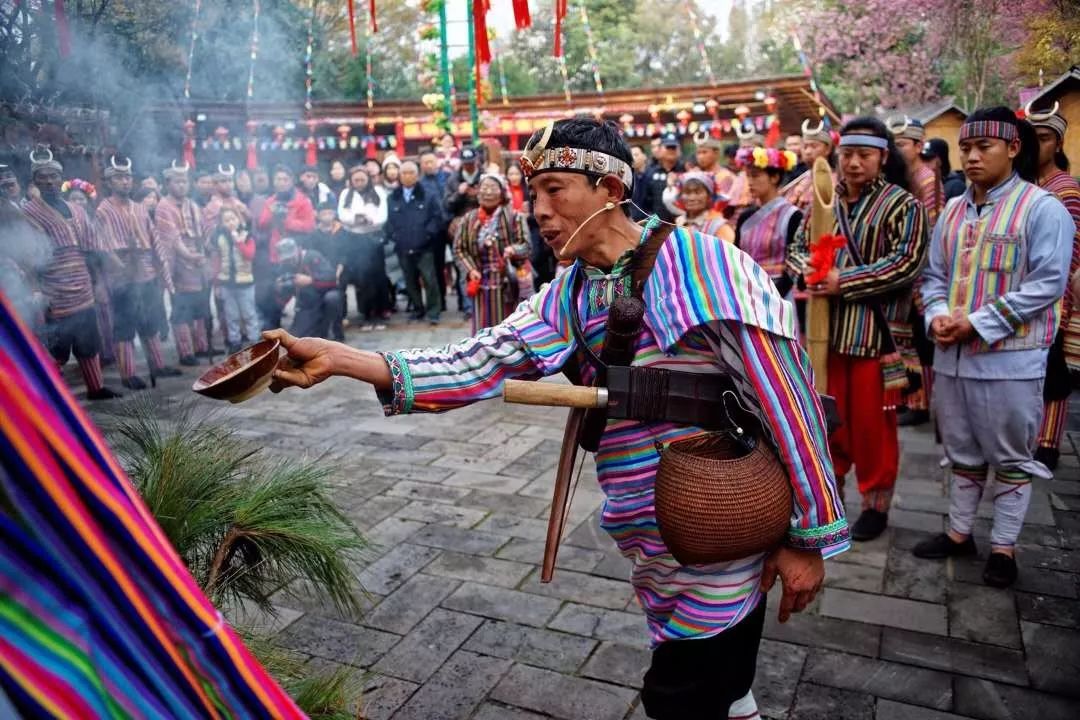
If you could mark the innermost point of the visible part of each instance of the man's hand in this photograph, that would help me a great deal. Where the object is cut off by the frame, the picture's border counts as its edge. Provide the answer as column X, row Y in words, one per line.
column 829, row 286
column 939, row 328
column 462, row 187
column 474, row 275
column 308, row 361
column 801, row 571
column 960, row 330
column 302, row 280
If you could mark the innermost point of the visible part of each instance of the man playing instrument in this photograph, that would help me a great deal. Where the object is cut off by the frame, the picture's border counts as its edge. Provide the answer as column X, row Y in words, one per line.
column 707, row 306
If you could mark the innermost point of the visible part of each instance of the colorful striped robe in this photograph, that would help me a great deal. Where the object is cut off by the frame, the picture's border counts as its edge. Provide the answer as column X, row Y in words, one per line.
column 1067, row 190
column 710, row 309
column 65, row 280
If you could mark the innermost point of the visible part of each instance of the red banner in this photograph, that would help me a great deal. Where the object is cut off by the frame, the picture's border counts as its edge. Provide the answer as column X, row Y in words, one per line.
column 522, row 19
column 352, row 26
column 560, row 13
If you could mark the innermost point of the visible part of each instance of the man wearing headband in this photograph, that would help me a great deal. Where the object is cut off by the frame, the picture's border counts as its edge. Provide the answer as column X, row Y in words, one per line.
column 817, row 142
column 178, row 223
column 1054, row 177
column 224, row 196
column 705, row 621
column 65, row 281
column 998, row 264
column 135, row 266
column 9, row 187
column 887, row 227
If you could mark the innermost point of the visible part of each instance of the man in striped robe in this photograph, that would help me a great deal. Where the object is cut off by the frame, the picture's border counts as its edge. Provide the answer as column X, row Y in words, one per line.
column 709, row 309
column 889, row 231
column 135, row 267
column 70, row 319
column 179, row 228
column 1054, row 177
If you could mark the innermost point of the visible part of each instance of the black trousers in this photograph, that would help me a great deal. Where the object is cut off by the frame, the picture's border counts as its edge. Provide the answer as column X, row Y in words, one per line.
column 315, row 314
column 77, row 333
column 699, row 679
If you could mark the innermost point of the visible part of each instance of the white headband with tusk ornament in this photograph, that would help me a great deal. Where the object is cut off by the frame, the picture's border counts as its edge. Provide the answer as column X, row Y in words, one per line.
column 538, row 158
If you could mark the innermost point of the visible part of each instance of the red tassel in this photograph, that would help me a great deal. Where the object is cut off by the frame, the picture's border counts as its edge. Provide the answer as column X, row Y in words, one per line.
column 772, row 138
column 189, row 152
column 312, row 156
column 483, row 48
column 560, row 13
column 252, row 155
column 522, row 19
column 63, row 33
column 371, row 10
column 352, row 27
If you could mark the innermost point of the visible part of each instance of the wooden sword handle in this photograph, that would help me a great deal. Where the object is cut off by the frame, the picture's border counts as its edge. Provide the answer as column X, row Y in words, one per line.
column 526, row 392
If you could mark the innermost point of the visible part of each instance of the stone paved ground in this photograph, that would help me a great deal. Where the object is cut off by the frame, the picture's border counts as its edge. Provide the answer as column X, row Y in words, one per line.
column 460, row 627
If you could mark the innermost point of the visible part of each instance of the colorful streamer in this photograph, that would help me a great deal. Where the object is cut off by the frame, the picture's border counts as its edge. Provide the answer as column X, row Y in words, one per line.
column 705, row 64
column 808, row 71
column 565, row 80
column 369, row 77
column 591, row 45
column 502, row 79
column 255, row 8
column 309, row 75
column 191, row 49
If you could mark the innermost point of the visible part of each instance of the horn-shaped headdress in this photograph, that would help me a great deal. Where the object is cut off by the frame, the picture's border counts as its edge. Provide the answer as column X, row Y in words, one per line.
column 747, row 137
column 225, row 171
column 176, row 171
column 820, row 133
column 41, row 158
column 116, row 168
column 906, row 127
column 1050, row 119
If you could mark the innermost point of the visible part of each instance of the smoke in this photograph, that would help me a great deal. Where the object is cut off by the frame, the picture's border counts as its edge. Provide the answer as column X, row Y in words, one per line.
column 23, row 253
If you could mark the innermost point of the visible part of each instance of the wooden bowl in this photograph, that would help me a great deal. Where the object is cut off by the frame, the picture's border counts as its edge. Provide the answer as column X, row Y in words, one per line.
column 241, row 375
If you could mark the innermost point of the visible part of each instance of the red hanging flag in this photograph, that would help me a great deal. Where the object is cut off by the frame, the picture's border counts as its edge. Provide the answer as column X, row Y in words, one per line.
column 483, row 48
column 371, row 11
column 63, row 34
column 560, row 13
column 352, row 27
column 522, row 19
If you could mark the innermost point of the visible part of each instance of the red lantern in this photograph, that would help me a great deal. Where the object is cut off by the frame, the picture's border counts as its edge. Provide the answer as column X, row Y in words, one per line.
column 252, row 155
column 312, row 155
column 189, row 143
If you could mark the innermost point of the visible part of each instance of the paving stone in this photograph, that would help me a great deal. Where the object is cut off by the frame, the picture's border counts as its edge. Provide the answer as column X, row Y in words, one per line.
column 456, row 448
column 448, row 537
column 779, row 667
column 621, row 627
column 386, row 574
column 1053, row 658
column 816, row 702
column 439, row 513
column 920, row 502
column 395, row 442
column 564, row 697
column 400, row 611
column 589, row 535
column 514, row 504
column 1049, row 610
column 874, row 553
column 883, row 610
column 417, row 473
column 455, row 690
column 914, row 520
column 473, row 480
column 388, row 533
column 1049, row 559
column 586, row 589
column 953, row 655
column 428, row 645
column 406, row 457
column 514, row 526
column 426, row 491
column 569, row 557
column 851, row 576
column 983, row 614
column 913, row 685
column 911, row 577
column 994, row 701
column 817, row 631
column 301, row 596
column 493, row 711
column 382, row 696
column 891, row 710
column 259, row 622
column 474, row 568
column 533, row 646
column 1030, row 579
column 614, row 566
column 619, row 664
column 373, row 511
column 502, row 604
column 337, row 641
column 354, row 492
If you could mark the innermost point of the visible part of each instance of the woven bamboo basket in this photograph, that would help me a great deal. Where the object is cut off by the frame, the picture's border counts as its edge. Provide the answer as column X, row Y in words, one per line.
column 715, row 502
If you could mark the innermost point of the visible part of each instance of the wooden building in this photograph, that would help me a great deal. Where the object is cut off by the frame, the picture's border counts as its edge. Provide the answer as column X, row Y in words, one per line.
column 1065, row 91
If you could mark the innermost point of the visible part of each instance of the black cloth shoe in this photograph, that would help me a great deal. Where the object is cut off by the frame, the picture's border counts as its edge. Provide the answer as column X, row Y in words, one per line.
column 1000, row 570
column 1048, row 456
column 133, row 383
column 942, row 546
column 103, row 393
column 167, row 372
column 189, row 360
column 869, row 525
column 911, row 418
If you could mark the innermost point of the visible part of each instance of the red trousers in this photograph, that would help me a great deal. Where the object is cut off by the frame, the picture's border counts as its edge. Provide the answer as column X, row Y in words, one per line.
column 868, row 438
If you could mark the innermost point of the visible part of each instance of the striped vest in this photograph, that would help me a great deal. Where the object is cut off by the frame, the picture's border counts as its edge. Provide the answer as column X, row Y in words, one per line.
column 764, row 235
column 988, row 258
